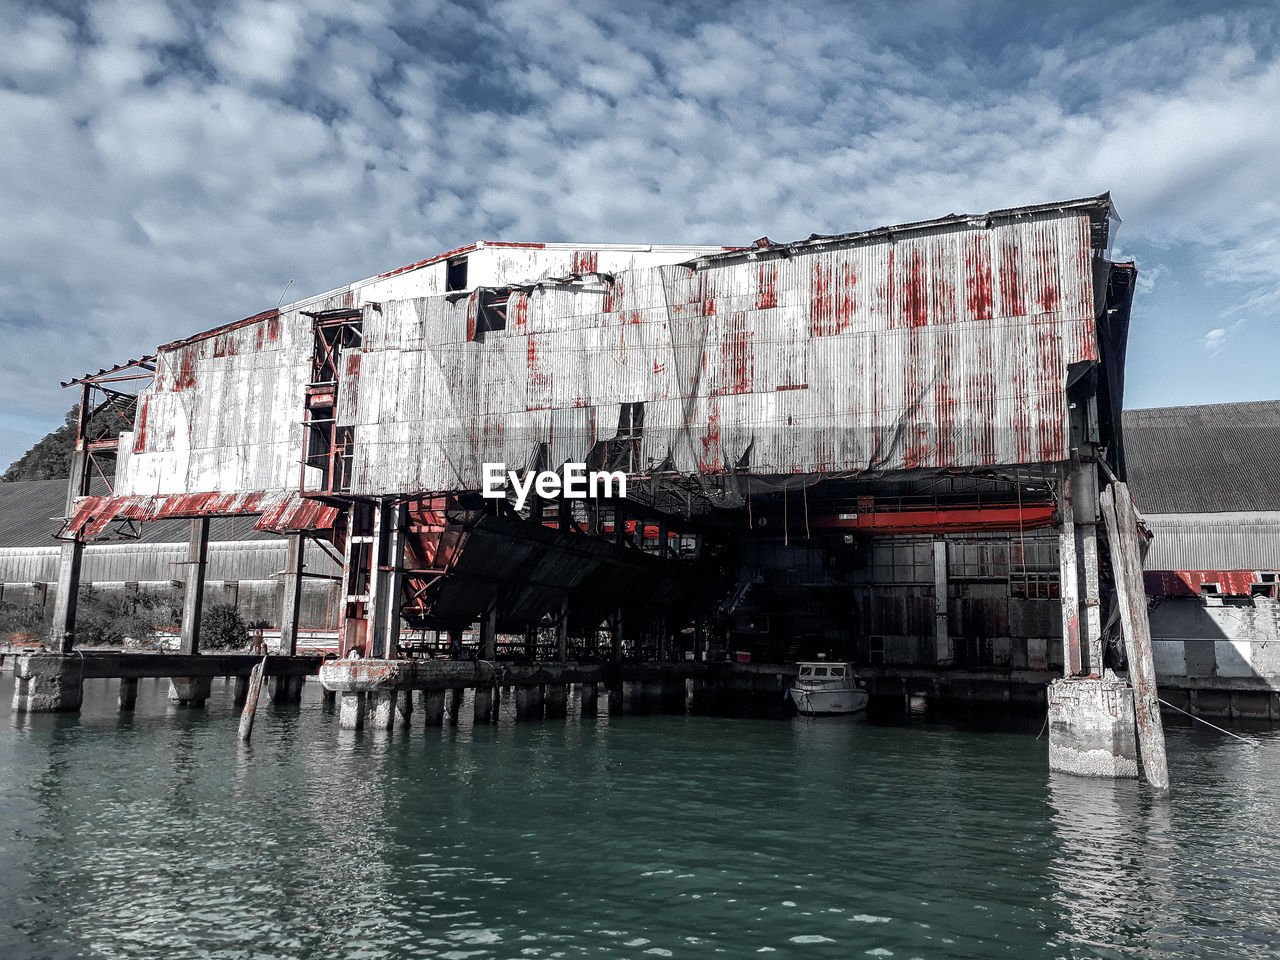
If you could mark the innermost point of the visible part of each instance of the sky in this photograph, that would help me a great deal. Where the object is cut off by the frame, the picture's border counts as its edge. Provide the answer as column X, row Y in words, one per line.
column 172, row 166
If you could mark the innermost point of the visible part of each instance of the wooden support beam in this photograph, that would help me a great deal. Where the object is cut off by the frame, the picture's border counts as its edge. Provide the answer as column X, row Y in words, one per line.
column 562, row 630
column 193, row 601
column 489, row 630
column 292, row 595
column 1126, row 560
column 62, row 630
column 1069, row 583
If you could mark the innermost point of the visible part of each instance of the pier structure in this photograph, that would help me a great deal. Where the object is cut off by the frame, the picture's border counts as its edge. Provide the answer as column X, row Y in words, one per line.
column 945, row 393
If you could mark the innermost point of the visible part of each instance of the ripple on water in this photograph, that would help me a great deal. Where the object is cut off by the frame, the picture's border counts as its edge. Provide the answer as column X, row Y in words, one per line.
column 154, row 835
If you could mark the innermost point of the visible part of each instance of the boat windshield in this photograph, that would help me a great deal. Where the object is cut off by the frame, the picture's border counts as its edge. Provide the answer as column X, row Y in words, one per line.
column 837, row 671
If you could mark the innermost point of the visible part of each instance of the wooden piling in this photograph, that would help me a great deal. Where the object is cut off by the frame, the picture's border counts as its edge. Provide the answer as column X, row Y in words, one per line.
column 1126, row 561
column 251, row 701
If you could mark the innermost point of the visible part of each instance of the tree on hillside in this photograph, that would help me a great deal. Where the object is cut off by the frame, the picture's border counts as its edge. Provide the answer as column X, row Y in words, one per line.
column 50, row 457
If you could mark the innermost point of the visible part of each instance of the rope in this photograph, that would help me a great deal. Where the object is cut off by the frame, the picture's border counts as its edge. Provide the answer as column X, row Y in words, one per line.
column 1251, row 742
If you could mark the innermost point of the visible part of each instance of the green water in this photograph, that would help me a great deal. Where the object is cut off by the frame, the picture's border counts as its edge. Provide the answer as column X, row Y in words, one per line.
column 156, row 834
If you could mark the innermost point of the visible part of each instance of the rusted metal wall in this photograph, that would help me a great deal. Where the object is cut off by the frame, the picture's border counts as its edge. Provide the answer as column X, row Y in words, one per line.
column 1214, row 541
column 946, row 346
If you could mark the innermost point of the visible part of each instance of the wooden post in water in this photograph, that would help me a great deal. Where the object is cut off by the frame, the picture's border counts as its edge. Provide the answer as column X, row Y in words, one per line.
column 251, row 700
column 1126, row 561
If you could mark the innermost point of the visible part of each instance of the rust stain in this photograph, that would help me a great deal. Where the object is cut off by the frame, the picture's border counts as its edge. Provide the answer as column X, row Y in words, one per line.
column 766, row 286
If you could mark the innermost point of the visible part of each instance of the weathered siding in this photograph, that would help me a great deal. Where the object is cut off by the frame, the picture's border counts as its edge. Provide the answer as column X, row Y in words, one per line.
column 942, row 347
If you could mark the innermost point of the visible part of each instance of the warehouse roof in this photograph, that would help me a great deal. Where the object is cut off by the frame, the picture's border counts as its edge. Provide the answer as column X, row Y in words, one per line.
column 31, row 513
column 1214, row 458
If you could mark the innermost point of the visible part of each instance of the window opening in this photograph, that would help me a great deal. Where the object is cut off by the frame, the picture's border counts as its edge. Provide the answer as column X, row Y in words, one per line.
column 455, row 275
column 329, row 447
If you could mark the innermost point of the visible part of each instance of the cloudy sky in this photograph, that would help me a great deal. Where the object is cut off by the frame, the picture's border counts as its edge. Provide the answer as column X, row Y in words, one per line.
column 168, row 166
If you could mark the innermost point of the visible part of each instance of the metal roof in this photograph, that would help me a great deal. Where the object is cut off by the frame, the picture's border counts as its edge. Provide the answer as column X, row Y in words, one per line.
column 31, row 515
column 1213, row 458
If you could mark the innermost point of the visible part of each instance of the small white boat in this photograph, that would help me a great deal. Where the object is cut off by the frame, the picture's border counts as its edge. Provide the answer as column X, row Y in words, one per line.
column 823, row 689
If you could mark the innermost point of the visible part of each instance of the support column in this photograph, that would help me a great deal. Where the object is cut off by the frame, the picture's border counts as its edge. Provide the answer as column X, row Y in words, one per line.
column 292, row 599
column 615, row 636
column 193, row 604
column 1069, row 583
column 482, row 712
column 432, row 704
column 531, row 643
column 351, row 714
column 589, row 694
column 941, row 628
column 562, row 631
column 454, row 700
column 286, row 689
column 488, row 630
column 382, row 708
column 190, row 691
column 128, row 696
column 528, row 702
column 556, row 697
column 62, row 631
column 241, row 691
column 48, row 683
column 1091, row 728
column 1085, row 484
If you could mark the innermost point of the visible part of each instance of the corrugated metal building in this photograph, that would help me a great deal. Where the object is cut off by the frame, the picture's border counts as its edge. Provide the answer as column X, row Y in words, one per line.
column 935, row 388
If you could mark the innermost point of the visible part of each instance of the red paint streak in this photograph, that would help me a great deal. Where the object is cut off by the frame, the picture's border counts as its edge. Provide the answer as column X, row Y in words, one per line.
column 636, row 317
column 767, row 286
column 822, row 320
column 353, row 364
column 1047, row 271
column 737, row 356
column 792, row 386
column 710, row 459
column 613, row 295
column 186, row 377
column 915, row 295
column 225, row 345
column 1011, row 303
column 977, row 276
column 585, row 261
column 518, row 309
column 273, row 327
column 140, row 427
column 943, row 404
column 847, row 304
column 225, row 328
column 659, row 368
column 430, row 260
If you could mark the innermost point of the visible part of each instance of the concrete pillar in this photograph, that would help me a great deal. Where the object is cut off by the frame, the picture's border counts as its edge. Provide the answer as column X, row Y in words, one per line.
column 286, row 689
column 531, row 643
column 62, row 630
column 292, row 599
column 382, row 708
column 1091, row 728
column 432, row 705
column 589, row 694
column 528, row 703
column 1085, row 485
column 351, row 714
column 328, row 698
column 615, row 700
column 386, row 578
column 489, row 630
column 482, row 708
column 404, row 708
column 941, row 629
column 454, row 702
column 190, row 691
column 128, row 695
column 1069, row 583
column 241, row 691
column 615, row 636
column 193, row 602
column 651, row 695
column 556, row 696
column 48, row 683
